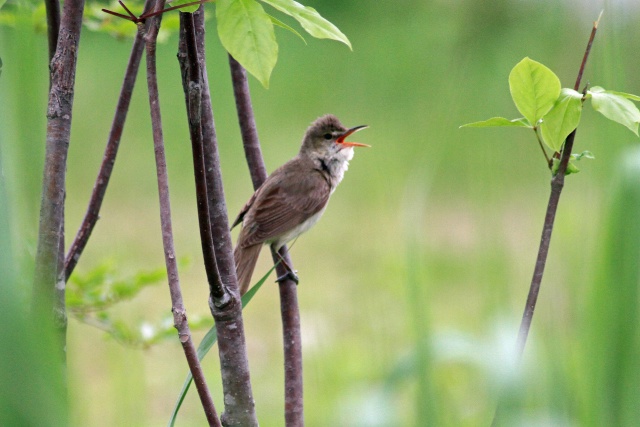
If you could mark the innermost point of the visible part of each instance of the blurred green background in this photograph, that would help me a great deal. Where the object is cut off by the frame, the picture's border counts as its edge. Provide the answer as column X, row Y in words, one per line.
column 413, row 284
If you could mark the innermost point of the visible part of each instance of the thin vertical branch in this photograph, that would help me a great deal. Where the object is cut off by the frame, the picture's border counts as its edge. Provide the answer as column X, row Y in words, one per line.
column 191, row 82
column 557, row 183
column 53, row 25
column 48, row 291
column 108, row 160
column 232, row 351
column 289, row 310
column 178, row 309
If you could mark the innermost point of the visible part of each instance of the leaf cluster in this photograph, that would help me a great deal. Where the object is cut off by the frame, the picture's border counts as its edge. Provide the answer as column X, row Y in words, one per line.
column 90, row 296
column 553, row 112
column 245, row 29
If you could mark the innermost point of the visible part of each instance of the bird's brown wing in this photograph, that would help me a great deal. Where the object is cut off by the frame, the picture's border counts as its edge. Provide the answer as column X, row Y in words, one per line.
column 244, row 209
column 275, row 210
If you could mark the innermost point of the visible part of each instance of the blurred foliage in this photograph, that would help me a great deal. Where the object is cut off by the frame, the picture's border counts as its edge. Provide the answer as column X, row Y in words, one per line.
column 611, row 345
column 472, row 204
column 33, row 376
column 90, row 296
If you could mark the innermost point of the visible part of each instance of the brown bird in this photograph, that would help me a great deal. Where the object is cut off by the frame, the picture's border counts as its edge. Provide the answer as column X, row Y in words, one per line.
column 294, row 196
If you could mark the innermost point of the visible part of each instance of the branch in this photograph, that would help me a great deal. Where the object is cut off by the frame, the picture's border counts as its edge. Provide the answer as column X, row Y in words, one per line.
column 232, row 351
column 48, row 291
column 557, row 183
column 108, row 160
column 178, row 310
column 144, row 16
column 53, row 25
column 192, row 85
column 290, row 313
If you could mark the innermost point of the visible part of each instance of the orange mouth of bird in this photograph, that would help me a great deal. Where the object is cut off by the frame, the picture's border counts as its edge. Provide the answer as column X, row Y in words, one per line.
column 341, row 139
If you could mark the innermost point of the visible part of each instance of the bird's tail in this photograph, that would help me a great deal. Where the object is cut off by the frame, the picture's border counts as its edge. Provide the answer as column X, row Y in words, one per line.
column 246, row 259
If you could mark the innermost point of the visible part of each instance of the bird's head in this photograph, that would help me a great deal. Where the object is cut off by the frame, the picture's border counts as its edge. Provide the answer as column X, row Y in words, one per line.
column 326, row 137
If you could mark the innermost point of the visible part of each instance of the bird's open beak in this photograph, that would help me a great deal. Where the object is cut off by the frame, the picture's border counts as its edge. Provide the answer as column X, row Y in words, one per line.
column 341, row 139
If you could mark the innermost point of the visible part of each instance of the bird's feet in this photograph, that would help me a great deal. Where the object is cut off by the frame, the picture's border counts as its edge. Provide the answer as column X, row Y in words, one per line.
column 289, row 275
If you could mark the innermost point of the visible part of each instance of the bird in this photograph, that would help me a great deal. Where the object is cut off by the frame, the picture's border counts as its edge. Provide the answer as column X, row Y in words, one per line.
column 294, row 197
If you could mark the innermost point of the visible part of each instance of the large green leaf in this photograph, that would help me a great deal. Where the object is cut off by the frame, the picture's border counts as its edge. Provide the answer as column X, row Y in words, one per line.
column 563, row 118
column 615, row 106
column 499, row 122
column 246, row 31
column 534, row 89
column 623, row 94
column 310, row 20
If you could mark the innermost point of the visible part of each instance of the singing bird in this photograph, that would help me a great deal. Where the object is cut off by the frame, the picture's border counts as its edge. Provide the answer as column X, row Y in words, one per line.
column 294, row 196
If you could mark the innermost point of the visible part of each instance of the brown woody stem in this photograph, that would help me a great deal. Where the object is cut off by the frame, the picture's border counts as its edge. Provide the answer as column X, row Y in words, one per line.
column 53, row 25
column 289, row 310
column 91, row 216
column 239, row 406
column 48, row 289
column 177, row 306
column 192, row 84
column 557, row 184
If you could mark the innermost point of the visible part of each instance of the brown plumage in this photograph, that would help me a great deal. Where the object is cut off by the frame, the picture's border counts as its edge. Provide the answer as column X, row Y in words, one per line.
column 294, row 196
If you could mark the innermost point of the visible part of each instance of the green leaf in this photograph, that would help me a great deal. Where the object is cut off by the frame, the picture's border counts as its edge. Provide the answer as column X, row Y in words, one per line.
column 630, row 96
column 208, row 341
column 246, row 32
column 563, row 118
column 584, row 154
column 571, row 167
column 534, row 89
column 281, row 24
column 2, row 2
column 616, row 107
column 499, row 122
column 310, row 20
column 187, row 9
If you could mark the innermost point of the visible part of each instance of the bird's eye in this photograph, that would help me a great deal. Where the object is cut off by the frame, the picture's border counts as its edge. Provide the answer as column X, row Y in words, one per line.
column 328, row 136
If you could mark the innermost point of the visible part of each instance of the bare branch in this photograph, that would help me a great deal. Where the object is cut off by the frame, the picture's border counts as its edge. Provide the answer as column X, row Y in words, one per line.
column 178, row 309
column 48, row 290
column 236, row 381
column 53, row 25
column 108, row 160
column 290, row 313
column 192, row 84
